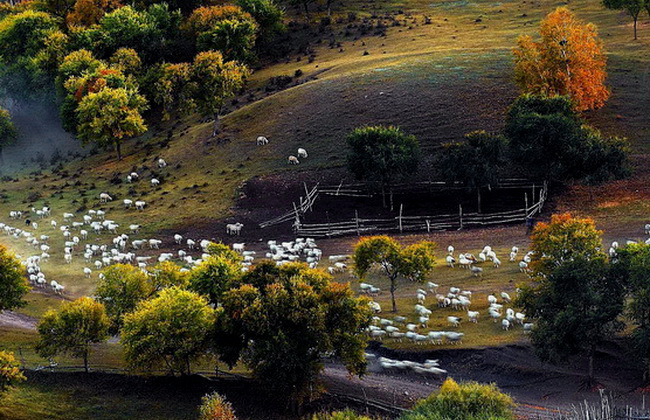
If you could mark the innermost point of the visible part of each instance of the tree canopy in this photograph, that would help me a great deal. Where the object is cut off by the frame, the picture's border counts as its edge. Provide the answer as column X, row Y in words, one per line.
column 13, row 282
column 281, row 321
column 567, row 60
column 382, row 156
column 413, row 262
column 632, row 7
column 476, row 163
column 73, row 329
column 8, row 131
column 548, row 140
column 170, row 331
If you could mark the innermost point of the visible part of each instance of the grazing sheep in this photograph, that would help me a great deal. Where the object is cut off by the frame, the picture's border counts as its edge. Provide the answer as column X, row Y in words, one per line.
column 104, row 198
column 302, row 153
column 292, row 160
column 454, row 321
column 261, row 141
column 162, row 163
column 140, row 204
column 505, row 324
column 234, row 228
column 155, row 182
column 477, row 271
column 178, row 238
column 473, row 316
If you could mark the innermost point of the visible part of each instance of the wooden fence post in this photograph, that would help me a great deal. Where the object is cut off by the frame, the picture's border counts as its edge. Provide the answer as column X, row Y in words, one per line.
column 401, row 208
column 460, row 216
column 534, row 194
column 428, row 226
column 356, row 218
column 526, row 201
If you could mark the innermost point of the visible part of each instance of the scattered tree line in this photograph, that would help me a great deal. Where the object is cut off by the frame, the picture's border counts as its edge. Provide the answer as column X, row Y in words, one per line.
column 278, row 321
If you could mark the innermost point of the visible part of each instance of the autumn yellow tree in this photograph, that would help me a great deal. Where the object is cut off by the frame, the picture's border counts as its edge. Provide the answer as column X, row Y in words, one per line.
column 568, row 60
column 89, row 12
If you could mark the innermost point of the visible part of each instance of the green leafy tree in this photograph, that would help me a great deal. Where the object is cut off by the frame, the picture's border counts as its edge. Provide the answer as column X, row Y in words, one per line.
column 632, row 7
column 477, row 162
column 167, row 274
column 215, row 80
column 171, row 330
column 59, row 8
column 215, row 407
column 172, row 88
column 24, row 34
column 127, row 61
column 268, row 16
column 281, row 321
column 76, row 64
column 8, row 131
column 381, row 156
column 413, row 262
column 632, row 267
column 13, row 284
column 576, row 306
column 227, row 29
column 549, row 140
column 215, row 276
column 340, row 415
column 22, row 37
column 576, row 297
column 10, row 374
column 465, row 401
column 111, row 116
column 120, row 289
column 73, row 329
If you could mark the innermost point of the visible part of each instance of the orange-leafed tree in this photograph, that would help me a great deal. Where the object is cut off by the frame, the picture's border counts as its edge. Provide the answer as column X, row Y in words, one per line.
column 568, row 60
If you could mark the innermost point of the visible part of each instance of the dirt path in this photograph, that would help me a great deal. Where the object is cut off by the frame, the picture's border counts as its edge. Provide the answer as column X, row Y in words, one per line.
column 16, row 320
column 539, row 389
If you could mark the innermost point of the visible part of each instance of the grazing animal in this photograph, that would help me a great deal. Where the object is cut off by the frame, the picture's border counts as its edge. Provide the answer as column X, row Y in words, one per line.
column 292, row 160
column 104, row 198
column 234, row 228
column 162, row 163
column 262, row 141
column 302, row 153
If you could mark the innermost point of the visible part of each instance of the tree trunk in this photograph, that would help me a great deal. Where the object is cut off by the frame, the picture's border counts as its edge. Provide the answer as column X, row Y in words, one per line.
column 86, row 361
column 390, row 192
column 636, row 18
column 392, row 293
column 478, row 199
column 329, row 8
column 118, row 149
column 590, row 375
column 215, row 126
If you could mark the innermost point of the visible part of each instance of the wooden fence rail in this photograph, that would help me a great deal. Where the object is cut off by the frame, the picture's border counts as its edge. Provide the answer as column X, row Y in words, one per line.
column 401, row 223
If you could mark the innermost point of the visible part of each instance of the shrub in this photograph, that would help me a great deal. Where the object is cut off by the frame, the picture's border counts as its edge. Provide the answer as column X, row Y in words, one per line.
column 466, row 401
column 10, row 373
column 215, row 407
column 340, row 415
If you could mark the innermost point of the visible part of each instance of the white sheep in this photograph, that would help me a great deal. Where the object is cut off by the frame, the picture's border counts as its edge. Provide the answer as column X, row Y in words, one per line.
column 178, row 238
column 140, row 204
column 155, row 182
column 162, row 163
column 234, row 228
column 302, row 153
column 292, row 160
column 127, row 203
column 261, row 141
column 104, row 198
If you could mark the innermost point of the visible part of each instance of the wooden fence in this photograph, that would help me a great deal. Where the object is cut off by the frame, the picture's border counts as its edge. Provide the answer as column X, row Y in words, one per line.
column 402, row 223
column 304, row 205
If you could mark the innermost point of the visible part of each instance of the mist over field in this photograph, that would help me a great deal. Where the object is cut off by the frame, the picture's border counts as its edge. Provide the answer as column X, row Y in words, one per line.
column 39, row 137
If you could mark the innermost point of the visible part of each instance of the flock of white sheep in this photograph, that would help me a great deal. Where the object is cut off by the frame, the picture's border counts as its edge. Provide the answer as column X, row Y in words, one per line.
column 292, row 159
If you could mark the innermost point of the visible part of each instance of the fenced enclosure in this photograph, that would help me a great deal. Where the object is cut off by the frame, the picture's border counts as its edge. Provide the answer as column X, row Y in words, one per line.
column 532, row 203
